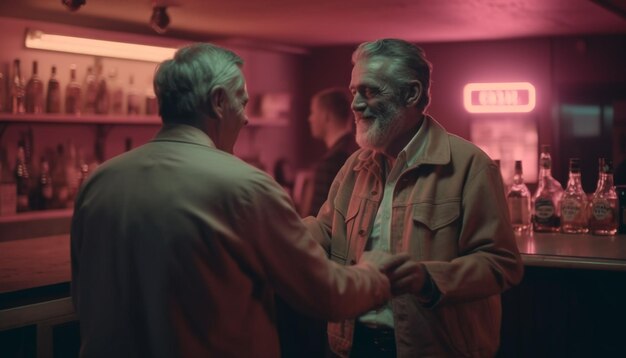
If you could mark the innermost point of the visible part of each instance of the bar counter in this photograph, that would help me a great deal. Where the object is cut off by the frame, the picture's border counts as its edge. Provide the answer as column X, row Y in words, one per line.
column 570, row 302
column 41, row 261
column 579, row 251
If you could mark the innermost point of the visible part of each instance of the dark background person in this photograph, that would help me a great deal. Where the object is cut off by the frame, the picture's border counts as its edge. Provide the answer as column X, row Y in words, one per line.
column 330, row 121
column 178, row 247
column 416, row 189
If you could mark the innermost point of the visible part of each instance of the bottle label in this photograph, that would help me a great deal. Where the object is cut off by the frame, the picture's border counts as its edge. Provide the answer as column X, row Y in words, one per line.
column 544, row 209
column 570, row 209
column 601, row 209
column 518, row 208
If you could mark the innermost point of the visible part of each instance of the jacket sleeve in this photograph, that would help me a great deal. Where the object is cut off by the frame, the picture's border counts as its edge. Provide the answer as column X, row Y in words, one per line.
column 320, row 227
column 489, row 261
column 297, row 267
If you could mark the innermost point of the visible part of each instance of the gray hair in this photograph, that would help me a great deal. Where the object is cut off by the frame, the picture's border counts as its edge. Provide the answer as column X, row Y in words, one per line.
column 409, row 60
column 182, row 84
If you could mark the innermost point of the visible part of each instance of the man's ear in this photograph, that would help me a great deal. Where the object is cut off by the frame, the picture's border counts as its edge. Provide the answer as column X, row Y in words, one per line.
column 218, row 100
column 413, row 93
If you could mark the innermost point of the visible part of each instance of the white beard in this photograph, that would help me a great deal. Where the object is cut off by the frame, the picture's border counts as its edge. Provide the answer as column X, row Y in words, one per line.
column 379, row 133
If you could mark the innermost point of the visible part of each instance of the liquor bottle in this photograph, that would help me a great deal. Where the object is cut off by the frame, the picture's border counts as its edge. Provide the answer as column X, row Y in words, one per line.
column 59, row 179
column 603, row 219
column 44, row 190
column 91, row 91
column 117, row 93
column 82, row 168
column 18, row 91
column 102, row 90
column 133, row 99
column 546, row 215
column 573, row 205
column 53, row 96
column 152, row 105
column 518, row 200
column 73, row 94
column 22, row 180
column 34, row 92
column 72, row 172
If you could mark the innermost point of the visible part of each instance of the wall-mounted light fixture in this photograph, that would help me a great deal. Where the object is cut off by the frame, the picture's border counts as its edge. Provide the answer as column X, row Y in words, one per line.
column 43, row 41
column 499, row 97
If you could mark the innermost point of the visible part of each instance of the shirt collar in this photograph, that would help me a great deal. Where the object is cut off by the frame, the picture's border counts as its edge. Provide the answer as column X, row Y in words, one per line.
column 183, row 133
column 429, row 145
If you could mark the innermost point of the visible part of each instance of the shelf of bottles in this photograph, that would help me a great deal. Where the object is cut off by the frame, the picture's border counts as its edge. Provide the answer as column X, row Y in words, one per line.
column 79, row 119
column 99, row 99
column 552, row 209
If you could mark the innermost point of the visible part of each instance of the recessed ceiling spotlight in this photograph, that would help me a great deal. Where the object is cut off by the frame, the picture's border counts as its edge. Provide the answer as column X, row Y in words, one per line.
column 159, row 20
column 73, row 5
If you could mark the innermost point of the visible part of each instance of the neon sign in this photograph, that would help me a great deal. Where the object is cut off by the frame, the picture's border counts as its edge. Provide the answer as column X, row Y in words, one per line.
column 502, row 97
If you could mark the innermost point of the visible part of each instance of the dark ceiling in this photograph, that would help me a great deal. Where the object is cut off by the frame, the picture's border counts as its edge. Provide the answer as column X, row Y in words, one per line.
column 309, row 23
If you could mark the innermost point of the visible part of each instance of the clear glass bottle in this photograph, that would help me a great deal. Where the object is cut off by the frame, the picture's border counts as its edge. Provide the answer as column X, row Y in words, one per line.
column 91, row 91
column 53, row 96
column 518, row 200
column 73, row 94
column 546, row 216
column 133, row 99
column 72, row 172
column 117, row 93
column 574, row 203
column 82, row 168
column 603, row 209
column 44, row 193
column 18, row 91
column 59, row 179
column 34, row 92
column 102, row 91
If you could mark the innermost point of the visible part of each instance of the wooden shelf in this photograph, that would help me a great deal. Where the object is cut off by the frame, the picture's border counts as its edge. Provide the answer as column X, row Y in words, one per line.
column 36, row 215
column 114, row 119
column 80, row 119
column 32, row 224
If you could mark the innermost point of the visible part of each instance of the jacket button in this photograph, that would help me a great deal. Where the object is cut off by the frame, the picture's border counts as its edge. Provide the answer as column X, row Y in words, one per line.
column 361, row 232
column 374, row 192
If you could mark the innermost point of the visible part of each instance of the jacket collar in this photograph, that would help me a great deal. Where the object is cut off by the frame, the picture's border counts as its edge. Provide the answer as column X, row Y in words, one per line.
column 183, row 133
column 430, row 145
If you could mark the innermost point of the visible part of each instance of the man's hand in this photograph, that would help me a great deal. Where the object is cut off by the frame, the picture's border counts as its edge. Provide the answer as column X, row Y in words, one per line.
column 408, row 277
column 383, row 261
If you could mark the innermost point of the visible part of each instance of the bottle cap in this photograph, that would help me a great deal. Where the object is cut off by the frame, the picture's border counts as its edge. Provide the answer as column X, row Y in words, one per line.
column 606, row 165
column 574, row 165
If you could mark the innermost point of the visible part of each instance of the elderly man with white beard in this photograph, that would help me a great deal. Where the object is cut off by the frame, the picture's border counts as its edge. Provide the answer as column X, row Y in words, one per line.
column 413, row 188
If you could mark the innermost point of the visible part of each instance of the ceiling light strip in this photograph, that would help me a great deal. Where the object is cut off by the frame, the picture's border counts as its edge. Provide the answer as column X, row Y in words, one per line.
column 39, row 40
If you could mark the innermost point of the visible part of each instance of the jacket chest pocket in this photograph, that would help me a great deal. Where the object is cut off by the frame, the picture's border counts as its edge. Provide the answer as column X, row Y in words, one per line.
column 435, row 229
column 436, row 215
column 346, row 246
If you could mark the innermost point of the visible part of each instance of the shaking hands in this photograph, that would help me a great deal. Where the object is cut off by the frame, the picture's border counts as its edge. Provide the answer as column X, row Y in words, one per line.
column 405, row 275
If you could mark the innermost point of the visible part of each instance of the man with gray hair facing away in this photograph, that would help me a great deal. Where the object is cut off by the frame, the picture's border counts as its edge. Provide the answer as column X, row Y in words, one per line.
column 178, row 247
